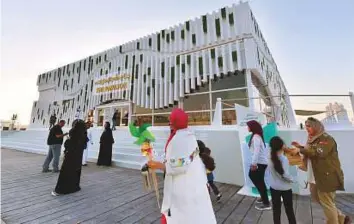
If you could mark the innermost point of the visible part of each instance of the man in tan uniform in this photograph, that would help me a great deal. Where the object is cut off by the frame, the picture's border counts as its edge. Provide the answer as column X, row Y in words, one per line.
column 321, row 149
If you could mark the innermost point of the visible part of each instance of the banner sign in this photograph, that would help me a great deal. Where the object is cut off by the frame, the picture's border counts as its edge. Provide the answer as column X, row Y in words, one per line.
column 244, row 114
column 111, row 82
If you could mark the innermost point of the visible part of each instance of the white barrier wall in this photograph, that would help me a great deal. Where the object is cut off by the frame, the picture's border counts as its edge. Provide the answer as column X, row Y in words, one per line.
column 224, row 143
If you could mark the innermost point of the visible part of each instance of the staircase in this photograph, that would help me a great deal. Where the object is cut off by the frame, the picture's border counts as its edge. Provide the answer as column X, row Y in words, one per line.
column 125, row 152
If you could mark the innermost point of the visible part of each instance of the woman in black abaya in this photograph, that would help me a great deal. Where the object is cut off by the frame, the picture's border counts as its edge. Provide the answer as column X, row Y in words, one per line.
column 106, row 143
column 70, row 172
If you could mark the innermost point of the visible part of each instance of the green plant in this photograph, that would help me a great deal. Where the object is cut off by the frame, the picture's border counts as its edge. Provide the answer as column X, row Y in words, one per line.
column 205, row 24
column 178, row 60
column 187, row 25
column 172, row 35
column 172, row 74
column 200, row 63
column 231, row 19
column 212, row 53
column 194, row 39
column 158, row 42
column 182, row 34
column 217, row 27
column 188, row 59
column 220, row 61
column 223, row 13
column 162, row 69
column 234, row 56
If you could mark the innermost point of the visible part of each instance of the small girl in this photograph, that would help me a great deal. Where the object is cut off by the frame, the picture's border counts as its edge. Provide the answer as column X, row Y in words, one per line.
column 280, row 181
column 204, row 153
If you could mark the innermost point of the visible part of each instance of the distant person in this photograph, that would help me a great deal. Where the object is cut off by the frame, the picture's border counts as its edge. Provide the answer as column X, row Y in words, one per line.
column 106, row 144
column 280, row 181
column 52, row 121
column 204, row 153
column 54, row 140
column 259, row 163
column 114, row 120
column 323, row 161
column 70, row 172
column 88, row 143
column 78, row 114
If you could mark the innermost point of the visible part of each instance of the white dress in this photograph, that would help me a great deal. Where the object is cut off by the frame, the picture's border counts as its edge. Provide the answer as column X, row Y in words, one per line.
column 89, row 143
column 186, row 197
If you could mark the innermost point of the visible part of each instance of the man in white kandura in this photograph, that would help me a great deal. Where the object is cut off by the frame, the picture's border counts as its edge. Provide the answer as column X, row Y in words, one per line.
column 88, row 145
column 186, row 198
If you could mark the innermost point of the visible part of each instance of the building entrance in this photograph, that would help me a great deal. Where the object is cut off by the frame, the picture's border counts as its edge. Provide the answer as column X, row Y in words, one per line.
column 117, row 114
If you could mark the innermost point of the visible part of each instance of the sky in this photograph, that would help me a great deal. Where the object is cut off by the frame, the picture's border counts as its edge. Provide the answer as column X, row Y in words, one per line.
column 312, row 41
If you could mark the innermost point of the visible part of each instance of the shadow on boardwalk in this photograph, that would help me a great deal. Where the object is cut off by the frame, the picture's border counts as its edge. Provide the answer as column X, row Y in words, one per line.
column 115, row 195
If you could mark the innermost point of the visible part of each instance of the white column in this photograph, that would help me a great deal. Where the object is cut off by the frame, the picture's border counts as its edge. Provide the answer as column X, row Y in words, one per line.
column 217, row 119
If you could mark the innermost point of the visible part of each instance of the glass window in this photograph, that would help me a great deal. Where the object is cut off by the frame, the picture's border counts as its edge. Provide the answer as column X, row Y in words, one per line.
column 228, row 82
column 165, row 110
column 229, row 98
column 199, row 118
column 229, row 117
column 161, row 119
column 142, row 119
column 196, row 102
column 142, row 110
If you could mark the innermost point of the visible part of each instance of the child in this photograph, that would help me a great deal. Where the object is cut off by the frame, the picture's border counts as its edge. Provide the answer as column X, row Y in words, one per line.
column 204, row 153
column 280, row 181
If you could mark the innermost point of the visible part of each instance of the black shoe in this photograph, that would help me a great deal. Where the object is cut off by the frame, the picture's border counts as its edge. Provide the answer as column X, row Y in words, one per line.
column 263, row 207
column 84, row 164
column 259, row 201
column 46, row 171
column 56, row 171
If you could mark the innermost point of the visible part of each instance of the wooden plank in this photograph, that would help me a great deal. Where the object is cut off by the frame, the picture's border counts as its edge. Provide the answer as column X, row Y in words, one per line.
column 240, row 210
column 115, row 195
column 303, row 210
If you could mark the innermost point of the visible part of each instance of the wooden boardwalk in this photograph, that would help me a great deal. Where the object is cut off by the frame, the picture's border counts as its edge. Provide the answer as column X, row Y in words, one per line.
column 115, row 195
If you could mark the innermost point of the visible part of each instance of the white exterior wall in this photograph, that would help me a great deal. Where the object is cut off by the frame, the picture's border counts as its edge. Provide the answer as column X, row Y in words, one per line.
column 240, row 36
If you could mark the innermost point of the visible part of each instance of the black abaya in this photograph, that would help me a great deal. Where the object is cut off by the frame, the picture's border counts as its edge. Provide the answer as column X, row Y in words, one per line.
column 105, row 154
column 70, row 172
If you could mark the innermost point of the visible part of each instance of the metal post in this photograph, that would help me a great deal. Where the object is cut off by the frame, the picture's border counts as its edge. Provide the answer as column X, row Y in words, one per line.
column 351, row 96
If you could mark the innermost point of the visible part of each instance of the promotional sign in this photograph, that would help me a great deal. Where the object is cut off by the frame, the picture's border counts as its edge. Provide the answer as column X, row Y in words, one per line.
column 111, row 83
column 244, row 114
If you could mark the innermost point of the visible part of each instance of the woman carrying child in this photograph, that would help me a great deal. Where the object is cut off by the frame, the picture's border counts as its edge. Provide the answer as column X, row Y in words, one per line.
column 280, row 181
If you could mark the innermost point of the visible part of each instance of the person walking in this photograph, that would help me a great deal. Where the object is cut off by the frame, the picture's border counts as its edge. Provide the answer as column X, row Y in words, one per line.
column 280, row 181
column 259, row 163
column 70, row 172
column 321, row 150
column 88, row 144
column 54, row 141
column 106, row 144
column 186, row 198
column 114, row 120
